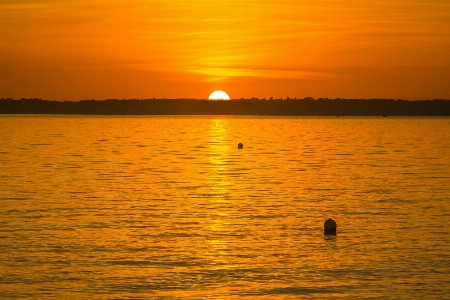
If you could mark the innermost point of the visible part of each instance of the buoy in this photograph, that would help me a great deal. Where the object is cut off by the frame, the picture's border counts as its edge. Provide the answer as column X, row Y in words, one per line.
column 330, row 227
column 240, row 146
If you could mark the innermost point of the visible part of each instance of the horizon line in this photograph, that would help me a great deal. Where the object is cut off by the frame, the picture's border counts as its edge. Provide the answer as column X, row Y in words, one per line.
column 231, row 99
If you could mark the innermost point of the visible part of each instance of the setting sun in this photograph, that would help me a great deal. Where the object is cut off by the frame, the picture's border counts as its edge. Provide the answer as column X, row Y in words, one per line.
column 219, row 95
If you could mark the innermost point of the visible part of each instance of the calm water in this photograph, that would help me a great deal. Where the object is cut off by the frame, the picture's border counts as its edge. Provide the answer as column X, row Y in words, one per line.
column 169, row 208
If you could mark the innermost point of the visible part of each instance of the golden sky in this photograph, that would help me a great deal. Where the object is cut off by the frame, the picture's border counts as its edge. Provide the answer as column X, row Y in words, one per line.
column 83, row 49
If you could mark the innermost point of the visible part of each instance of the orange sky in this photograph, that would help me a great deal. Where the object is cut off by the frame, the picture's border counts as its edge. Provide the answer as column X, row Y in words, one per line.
column 83, row 49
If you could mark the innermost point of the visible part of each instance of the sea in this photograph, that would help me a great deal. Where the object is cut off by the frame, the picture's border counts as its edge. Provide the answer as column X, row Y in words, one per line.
column 168, row 207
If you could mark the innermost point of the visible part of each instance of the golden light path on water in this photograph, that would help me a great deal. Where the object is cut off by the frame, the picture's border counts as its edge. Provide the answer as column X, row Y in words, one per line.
column 219, row 184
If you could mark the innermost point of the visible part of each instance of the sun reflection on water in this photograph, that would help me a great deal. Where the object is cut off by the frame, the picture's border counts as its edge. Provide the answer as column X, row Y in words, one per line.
column 218, row 153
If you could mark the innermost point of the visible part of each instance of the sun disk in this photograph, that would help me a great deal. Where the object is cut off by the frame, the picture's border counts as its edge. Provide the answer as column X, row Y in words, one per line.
column 219, row 95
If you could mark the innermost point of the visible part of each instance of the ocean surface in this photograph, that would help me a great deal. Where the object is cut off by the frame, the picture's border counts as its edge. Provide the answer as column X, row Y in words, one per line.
column 148, row 207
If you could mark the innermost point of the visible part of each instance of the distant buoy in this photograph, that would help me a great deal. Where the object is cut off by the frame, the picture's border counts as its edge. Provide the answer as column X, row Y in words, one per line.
column 330, row 227
column 240, row 146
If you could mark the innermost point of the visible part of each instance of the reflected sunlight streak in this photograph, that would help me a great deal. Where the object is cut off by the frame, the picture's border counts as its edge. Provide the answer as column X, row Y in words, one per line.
column 219, row 185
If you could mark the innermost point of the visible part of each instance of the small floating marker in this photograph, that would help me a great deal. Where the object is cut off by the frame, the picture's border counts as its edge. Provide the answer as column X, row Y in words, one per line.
column 240, row 146
column 330, row 227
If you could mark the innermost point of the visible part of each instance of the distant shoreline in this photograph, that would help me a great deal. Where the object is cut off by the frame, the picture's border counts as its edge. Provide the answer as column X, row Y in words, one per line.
column 257, row 107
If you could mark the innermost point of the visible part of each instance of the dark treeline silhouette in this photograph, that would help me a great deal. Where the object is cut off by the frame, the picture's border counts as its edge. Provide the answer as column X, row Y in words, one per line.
column 278, row 107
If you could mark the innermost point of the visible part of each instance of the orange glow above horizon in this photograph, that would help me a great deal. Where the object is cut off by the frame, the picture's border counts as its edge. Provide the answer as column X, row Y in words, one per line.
column 158, row 48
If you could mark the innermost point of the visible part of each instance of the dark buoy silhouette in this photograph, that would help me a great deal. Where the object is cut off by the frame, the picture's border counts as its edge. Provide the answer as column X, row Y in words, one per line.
column 329, row 227
column 240, row 146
